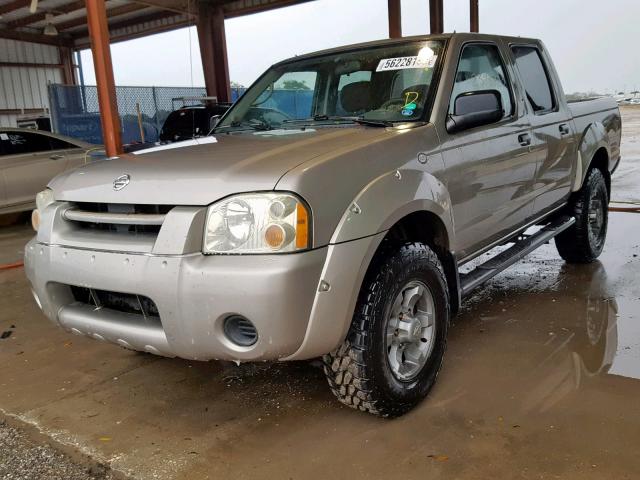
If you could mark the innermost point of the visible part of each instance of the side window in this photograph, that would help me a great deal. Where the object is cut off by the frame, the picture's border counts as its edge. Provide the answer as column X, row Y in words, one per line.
column 481, row 68
column 535, row 78
column 25, row 142
column 293, row 94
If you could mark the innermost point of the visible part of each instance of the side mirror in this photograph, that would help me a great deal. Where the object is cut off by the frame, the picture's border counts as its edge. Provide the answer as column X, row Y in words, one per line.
column 213, row 122
column 473, row 109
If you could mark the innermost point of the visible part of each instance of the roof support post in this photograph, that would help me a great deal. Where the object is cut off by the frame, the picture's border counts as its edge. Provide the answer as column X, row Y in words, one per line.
column 99, row 36
column 395, row 19
column 68, row 69
column 213, row 50
column 436, row 16
column 474, row 16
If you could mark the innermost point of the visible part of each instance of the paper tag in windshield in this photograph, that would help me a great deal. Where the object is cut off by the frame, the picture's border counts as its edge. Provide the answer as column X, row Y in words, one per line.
column 400, row 63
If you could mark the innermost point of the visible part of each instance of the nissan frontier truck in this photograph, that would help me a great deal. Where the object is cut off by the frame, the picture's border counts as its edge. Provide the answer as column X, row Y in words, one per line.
column 332, row 219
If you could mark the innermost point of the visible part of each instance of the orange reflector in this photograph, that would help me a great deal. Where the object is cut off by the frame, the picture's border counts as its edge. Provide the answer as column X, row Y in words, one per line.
column 274, row 235
column 35, row 219
column 302, row 227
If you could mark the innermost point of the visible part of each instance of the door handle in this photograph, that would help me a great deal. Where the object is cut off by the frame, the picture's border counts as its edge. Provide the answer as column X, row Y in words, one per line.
column 564, row 129
column 56, row 156
column 524, row 139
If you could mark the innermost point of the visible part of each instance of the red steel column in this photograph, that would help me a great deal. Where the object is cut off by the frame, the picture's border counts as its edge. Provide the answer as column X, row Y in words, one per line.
column 474, row 16
column 395, row 19
column 436, row 16
column 99, row 36
column 213, row 50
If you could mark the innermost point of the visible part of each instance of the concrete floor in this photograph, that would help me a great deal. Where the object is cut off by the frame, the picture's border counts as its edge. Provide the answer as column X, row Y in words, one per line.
column 541, row 380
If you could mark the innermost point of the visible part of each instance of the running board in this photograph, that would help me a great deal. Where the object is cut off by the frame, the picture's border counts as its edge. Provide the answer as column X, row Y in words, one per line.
column 521, row 248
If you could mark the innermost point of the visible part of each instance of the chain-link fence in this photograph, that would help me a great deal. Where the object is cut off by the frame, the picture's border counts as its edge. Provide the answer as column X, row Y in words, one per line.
column 75, row 111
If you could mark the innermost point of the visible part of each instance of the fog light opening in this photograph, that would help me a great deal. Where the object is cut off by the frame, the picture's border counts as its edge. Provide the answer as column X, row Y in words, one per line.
column 240, row 330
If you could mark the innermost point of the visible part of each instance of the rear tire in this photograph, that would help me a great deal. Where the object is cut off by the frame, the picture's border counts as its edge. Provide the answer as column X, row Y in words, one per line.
column 583, row 242
column 396, row 343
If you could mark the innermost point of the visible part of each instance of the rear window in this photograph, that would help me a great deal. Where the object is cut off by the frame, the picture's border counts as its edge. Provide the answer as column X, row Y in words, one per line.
column 535, row 77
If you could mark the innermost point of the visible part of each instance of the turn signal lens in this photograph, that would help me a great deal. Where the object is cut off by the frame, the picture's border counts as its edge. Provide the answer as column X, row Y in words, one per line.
column 35, row 219
column 274, row 236
column 302, row 227
column 43, row 200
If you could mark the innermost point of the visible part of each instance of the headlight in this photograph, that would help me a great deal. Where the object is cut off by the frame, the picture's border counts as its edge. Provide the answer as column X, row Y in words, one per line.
column 43, row 200
column 257, row 223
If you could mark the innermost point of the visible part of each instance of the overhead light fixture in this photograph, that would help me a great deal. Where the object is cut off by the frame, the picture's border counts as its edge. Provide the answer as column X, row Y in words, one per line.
column 49, row 28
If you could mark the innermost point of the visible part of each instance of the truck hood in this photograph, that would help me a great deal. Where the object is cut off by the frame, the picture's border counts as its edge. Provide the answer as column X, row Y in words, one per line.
column 188, row 174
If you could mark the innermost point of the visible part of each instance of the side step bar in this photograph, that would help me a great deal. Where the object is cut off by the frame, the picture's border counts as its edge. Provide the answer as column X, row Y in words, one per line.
column 521, row 248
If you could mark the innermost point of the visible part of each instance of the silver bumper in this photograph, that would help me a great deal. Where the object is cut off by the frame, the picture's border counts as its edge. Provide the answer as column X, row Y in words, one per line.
column 194, row 293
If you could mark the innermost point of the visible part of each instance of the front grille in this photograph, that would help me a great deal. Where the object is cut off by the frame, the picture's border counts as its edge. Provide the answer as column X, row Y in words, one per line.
column 121, row 302
column 117, row 217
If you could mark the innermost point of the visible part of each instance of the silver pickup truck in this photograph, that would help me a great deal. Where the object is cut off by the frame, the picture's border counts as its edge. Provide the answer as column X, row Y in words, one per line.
column 330, row 212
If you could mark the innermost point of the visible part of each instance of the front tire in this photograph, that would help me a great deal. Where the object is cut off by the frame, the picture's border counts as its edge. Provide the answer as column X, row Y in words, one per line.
column 584, row 241
column 396, row 343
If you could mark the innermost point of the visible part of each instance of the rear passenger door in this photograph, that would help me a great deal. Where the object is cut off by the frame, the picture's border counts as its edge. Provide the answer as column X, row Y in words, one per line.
column 552, row 127
column 28, row 165
column 489, row 169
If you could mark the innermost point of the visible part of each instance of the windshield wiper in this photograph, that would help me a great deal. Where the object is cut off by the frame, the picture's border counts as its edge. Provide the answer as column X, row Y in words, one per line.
column 337, row 118
column 254, row 124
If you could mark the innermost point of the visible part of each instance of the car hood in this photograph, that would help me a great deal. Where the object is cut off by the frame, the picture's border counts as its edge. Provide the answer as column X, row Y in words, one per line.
column 198, row 172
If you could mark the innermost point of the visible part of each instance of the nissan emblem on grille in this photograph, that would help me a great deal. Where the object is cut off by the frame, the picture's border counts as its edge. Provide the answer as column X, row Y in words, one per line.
column 121, row 182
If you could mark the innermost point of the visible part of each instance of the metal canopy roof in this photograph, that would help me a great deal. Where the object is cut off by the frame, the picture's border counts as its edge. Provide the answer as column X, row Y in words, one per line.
column 127, row 18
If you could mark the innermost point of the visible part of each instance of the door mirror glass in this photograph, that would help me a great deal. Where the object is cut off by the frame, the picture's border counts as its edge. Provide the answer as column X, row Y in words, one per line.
column 473, row 109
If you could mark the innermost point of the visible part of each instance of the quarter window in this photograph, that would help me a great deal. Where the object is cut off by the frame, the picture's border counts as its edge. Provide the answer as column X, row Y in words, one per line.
column 535, row 78
column 481, row 68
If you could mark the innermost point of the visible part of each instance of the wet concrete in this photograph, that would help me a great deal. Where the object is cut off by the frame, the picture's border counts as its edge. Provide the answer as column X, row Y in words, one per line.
column 626, row 181
column 12, row 240
column 541, row 380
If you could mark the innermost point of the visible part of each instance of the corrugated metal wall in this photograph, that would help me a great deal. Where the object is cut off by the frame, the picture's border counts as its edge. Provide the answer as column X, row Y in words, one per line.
column 25, row 87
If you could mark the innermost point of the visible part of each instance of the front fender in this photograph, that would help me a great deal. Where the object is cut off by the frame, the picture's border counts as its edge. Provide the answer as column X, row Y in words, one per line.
column 390, row 197
column 355, row 241
column 593, row 139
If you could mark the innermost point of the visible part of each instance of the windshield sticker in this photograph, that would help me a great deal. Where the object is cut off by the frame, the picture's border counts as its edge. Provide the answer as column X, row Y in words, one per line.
column 407, row 112
column 401, row 63
column 4, row 136
column 410, row 98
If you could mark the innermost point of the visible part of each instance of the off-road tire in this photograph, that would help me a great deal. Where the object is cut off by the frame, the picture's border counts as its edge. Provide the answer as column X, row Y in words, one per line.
column 576, row 245
column 358, row 371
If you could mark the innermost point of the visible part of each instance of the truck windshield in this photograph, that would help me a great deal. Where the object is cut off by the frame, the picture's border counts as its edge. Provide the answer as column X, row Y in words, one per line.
column 375, row 86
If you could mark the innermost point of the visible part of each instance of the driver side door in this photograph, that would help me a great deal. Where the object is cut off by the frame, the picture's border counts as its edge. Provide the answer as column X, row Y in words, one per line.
column 489, row 169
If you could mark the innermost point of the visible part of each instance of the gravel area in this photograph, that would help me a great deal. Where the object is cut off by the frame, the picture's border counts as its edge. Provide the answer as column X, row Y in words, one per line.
column 22, row 459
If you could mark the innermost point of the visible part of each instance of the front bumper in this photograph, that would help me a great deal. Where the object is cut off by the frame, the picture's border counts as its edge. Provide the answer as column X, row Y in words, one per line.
column 194, row 293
